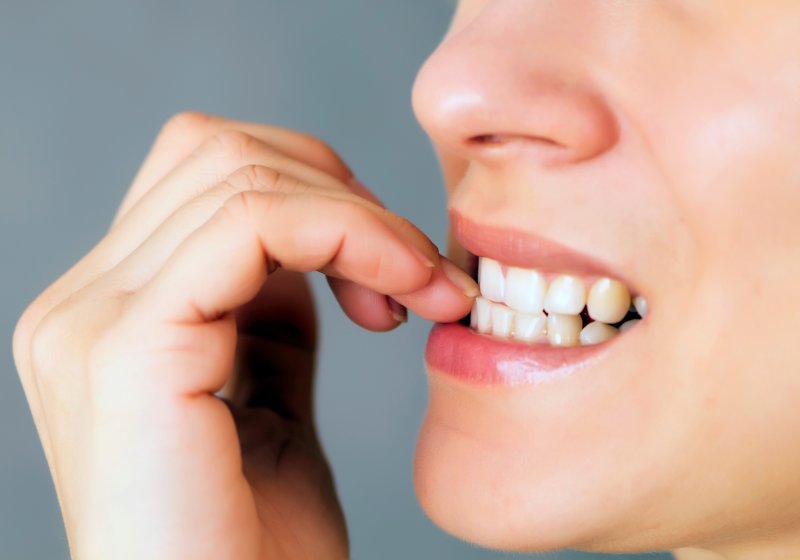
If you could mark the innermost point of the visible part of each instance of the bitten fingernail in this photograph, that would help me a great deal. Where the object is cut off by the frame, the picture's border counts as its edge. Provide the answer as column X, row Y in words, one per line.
column 459, row 278
column 399, row 312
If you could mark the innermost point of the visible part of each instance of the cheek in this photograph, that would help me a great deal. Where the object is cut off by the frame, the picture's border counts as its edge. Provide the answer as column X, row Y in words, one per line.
column 729, row 144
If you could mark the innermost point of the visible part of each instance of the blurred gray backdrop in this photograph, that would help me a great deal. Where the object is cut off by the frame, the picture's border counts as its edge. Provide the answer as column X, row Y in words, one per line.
column 84, row 88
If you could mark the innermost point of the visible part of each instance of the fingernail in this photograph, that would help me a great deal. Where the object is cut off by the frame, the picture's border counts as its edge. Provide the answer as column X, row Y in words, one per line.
column 459, row 278
column 399, row 312
column 423, row 257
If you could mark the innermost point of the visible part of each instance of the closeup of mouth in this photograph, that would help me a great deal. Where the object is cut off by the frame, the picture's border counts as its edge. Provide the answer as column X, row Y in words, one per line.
column 544, row 310
column 528, row 305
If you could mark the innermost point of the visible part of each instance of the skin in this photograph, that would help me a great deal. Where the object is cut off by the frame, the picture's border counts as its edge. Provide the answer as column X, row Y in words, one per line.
column 122, row 356
column 635, row 132
column 661, row 138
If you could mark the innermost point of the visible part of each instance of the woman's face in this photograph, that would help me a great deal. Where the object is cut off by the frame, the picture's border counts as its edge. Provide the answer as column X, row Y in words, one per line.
column 656, row 142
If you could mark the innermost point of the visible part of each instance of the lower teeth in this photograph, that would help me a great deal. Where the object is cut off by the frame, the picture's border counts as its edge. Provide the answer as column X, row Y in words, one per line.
column 501, row 321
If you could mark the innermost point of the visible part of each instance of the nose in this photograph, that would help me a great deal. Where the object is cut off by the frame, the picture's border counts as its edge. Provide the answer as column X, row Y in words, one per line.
column 509, row 81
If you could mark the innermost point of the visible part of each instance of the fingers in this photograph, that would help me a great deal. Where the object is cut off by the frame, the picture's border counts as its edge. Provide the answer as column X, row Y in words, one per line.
column 223, row 264
column 366, row 307
column 142, row 264
column 446, row 298
column 212, row 162
column 180, row 137
column 185, row 132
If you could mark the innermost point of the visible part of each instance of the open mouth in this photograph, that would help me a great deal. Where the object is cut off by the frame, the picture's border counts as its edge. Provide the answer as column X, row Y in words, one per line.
column 531, row 306
column 544, row 311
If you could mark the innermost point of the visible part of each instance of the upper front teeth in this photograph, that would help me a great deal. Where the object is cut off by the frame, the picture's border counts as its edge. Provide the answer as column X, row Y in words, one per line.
column 514, row 303
column 491, row 279
column 525, row 290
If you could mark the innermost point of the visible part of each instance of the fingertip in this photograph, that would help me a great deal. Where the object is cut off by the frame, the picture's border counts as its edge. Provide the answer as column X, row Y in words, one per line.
column 460, row 279
column 442, row 299
column 367, row 308
column 399, row 312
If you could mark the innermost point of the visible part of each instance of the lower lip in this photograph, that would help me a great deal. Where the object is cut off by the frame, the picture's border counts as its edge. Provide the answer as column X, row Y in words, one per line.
column 458, row 351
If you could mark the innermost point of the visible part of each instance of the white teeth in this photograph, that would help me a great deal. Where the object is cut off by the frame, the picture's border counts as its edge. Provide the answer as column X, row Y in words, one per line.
column 525, row 290
column 502, row 320
column 490, row 278
column 530, row 327
column 641, row 306
column 628, row 325
column 608, row 301
column 473, row 315
column 566, row 296
column 563, row 330
column 513, row 305
column 597, row 332
column 483, row 308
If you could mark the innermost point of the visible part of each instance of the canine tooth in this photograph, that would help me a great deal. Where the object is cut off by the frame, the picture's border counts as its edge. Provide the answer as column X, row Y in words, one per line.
column 565, row 296
column 490, row 277
column 525, row 290
column 628, row 325
column 563, row 330
column 530, row 327
column 641, row 306
column 597, row 332
column 608, row 301
column 484, row 311
column 502, row 320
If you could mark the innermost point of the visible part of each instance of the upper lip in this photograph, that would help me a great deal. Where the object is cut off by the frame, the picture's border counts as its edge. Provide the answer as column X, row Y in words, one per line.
column 514, row 247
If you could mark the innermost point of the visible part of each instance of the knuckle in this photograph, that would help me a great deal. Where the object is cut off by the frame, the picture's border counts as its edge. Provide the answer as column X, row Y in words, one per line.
column 233, row 146
column 262, row 178
column 247, row 206
column 239, row 208
column 255, row 178
column 191, row 124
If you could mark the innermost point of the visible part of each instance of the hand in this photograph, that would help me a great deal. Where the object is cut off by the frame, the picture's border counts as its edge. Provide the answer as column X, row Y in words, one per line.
column 122, row 356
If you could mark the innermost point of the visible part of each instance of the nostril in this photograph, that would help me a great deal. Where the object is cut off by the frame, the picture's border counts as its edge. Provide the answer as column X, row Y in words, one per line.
column 500, row 139
column 499, row 146
column 487, row 139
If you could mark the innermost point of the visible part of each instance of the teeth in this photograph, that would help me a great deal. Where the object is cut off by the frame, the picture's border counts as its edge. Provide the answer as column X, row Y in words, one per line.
column 563, row 330
column 608, row 301
column 530, row 328
column 641, row 306
column 566, row 296
column 490, row 278
column 628, row 325
column 525, row 290
column 483, row 308
column 597, row 332
column 502, row 320
column 513, row 305
column 473, row 315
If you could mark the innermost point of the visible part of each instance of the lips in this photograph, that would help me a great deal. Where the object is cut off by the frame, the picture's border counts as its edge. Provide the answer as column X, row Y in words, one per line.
column 539, row 334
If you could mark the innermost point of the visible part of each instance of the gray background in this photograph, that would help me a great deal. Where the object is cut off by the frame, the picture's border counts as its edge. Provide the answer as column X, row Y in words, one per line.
column 85, row 87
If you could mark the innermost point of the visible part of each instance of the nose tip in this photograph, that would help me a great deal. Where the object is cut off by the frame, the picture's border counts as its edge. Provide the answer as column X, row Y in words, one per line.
column 475, row 104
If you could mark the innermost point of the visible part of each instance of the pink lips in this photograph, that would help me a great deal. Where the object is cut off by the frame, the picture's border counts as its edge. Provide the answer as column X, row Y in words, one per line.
column 527, row 250
column 460, row 352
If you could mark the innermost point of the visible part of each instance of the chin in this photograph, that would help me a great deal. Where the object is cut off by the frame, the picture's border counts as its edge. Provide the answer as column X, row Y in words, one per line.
column 495, row 469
